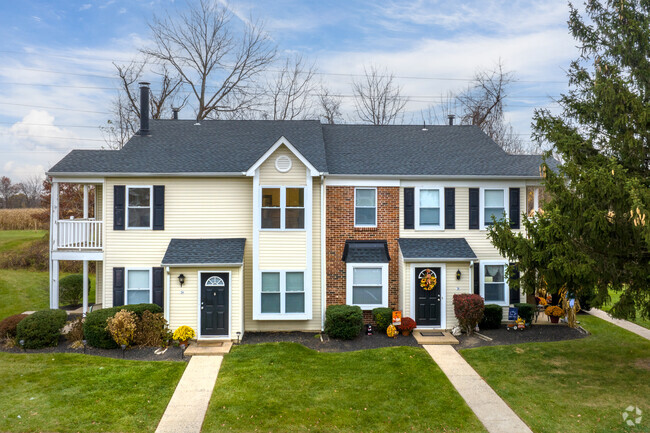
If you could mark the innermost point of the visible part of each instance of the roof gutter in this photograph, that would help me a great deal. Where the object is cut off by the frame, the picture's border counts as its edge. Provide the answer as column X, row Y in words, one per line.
column 131, row 174
column 427, row 177
column 438, row 259
column 202, row 265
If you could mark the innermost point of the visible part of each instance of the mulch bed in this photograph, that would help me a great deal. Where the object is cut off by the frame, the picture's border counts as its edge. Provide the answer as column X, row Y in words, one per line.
column 136, row 353
column 534, row 334
column 312, row 340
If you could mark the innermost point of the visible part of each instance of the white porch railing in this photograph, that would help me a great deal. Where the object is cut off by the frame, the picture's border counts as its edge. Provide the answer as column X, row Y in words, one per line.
column 79, row 234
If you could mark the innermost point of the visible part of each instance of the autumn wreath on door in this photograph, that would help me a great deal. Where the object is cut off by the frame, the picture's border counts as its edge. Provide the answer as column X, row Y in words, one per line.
column 428, row 279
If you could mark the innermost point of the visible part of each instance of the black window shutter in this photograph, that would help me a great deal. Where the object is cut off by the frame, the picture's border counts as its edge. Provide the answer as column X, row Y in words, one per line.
column 514, row 208
column 409, row 208
column 514, row 275
column 450, row 208
column 158, row 287
column 473, row 208
column 118, row 287
column 477, row 279
column 118, row 207
column 159, row 207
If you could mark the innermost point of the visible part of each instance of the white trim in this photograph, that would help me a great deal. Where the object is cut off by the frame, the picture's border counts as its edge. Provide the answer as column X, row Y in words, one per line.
column 441, row 208
column 352, row 177
column 273, row 148
column 349, row 270
column 126, row 283
column 428, row 260
column 309, row 227
column 167, row 293
column 451, row 182
column 506, row 287
column 285, row 159
column 257, row 222
column 77, row 255
column 257, row 301
column 364, row 207
column 283, row 206
column 323, row 263
column 198, row 332
column 78, row 180
column 443, row 292
column 202, row 265
column 126, row 205
column 481, row 203
column 360, row 182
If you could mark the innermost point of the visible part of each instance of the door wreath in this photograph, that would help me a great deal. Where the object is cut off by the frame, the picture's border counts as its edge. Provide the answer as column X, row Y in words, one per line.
column 428, row 279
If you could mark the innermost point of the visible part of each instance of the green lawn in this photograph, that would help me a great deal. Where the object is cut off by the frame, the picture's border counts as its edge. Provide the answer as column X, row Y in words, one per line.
column 572, row 386
column 23, row 290
column 615, row 296
column 12, row 239
column 71, row 393
column 285, row 387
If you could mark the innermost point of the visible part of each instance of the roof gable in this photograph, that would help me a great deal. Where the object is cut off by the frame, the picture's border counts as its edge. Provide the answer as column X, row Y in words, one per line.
column 282, row 141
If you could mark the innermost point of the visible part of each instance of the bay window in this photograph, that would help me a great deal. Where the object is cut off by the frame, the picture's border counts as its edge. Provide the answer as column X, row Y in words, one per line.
column 367, row 285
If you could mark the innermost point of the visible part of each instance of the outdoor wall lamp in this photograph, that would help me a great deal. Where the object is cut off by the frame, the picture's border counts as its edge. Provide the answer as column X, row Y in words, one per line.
column 181, row 279
column 458, row 274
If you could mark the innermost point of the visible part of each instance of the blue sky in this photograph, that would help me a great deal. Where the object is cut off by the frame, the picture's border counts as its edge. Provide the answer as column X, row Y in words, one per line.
column 56, row 82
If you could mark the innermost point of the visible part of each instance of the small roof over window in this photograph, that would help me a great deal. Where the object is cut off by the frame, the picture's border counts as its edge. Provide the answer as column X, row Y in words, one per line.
column 366, row 252
column 205, row 252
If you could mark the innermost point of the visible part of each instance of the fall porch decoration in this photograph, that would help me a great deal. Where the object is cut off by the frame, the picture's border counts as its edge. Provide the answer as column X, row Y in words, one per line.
column 183, row 333
column 391, row 331
column 407, row 326
column 428, row 279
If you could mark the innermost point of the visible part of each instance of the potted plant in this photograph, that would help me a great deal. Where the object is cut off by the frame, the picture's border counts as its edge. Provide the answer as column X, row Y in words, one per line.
column 407, row 326
column 554, row 312
column 183, row 333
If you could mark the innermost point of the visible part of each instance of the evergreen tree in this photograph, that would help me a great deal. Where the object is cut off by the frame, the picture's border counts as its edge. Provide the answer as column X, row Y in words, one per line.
column 594, row 232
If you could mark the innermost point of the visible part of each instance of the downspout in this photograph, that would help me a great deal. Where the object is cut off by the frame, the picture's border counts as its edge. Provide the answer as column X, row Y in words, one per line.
column 167, row 293
column 323, row 266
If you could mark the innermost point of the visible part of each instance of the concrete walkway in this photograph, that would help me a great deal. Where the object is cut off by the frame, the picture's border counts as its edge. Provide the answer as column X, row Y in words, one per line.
column 632, row 327
column 490, row 409
column 187, row 407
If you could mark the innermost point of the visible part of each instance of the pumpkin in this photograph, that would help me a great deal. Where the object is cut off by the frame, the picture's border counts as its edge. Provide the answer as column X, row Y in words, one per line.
column 391, row 331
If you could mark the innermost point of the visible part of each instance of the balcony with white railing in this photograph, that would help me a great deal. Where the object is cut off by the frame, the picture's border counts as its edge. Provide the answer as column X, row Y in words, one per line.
column 79, row 234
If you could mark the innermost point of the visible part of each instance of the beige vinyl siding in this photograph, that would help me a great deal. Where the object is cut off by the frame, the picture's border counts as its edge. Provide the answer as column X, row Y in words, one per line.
column 283, row 250
column 194, row 208
column 99, row 202
column 269, row 175
column 99, row 285
column 185, row 300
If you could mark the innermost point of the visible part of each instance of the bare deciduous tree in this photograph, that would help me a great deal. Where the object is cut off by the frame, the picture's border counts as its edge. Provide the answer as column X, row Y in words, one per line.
column 126, row 106
column 330, row 106
column 482, row 104
column 32, row 188
column 7, row 189
column 216, row 61
column 290, row 91
column 377, row 98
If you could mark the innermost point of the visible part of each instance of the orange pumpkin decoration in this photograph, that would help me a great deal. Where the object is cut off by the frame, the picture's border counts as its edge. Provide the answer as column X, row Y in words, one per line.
column 391, row 331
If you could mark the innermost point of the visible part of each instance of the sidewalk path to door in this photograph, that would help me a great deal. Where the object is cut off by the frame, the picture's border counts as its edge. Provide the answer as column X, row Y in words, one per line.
column 490, row 409
column 187, row 407
column 629, row 326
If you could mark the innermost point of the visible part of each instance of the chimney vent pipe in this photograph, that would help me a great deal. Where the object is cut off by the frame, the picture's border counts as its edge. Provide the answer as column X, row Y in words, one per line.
column 144, row 108
column 451, row 119
column 175, row 113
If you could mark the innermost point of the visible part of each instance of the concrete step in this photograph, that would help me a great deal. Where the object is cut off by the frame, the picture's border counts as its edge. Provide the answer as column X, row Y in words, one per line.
column 208, row 348
column 434, row 336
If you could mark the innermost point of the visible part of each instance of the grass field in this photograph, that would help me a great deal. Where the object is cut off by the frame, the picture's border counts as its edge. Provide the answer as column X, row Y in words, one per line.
column 285, row 387
column 13, row 239
column 615, row 296
column 71, row 393
column 572, row 386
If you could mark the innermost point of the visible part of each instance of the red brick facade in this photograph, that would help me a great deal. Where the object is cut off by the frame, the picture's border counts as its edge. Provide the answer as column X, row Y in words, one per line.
column 340, row 227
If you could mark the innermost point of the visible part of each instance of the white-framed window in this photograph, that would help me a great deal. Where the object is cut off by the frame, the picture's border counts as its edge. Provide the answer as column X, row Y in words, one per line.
column 494, row 201
column 365, row 207
column 494, row 285
column 367, row 285
column 139, row 207
column 429, row 213
column 283, row 208
column 283, row 292
column 138, row 286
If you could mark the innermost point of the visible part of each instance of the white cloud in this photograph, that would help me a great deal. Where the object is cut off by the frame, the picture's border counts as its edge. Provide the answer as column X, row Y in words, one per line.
column 85, row 6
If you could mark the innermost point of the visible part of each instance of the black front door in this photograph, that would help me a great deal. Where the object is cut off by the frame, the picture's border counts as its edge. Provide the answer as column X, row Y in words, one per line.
column 427, row 302
column 214, row 303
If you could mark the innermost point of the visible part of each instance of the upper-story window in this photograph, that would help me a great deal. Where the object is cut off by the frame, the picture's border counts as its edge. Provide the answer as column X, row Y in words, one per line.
column 283, row 208
column 139, row 207
column 429, row 215
column 365, row 207
column 494, row 204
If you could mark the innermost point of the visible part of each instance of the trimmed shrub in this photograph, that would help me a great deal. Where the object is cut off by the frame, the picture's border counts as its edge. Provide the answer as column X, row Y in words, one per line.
column 492, row 317
column 526, row 312
column 41, row 329
column 343, row 321
column 76, row 331
column 95, row 324
column 383, row 317
column 122, row 327
column 151, row 330
column 468, row 310
column 71, row 289
column 8, row 326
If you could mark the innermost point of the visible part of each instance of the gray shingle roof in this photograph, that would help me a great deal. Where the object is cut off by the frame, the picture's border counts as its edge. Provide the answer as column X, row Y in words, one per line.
column 366, row 252
column 437, row 248
column 204, row 252
column 180, row 146
column 233, row 146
